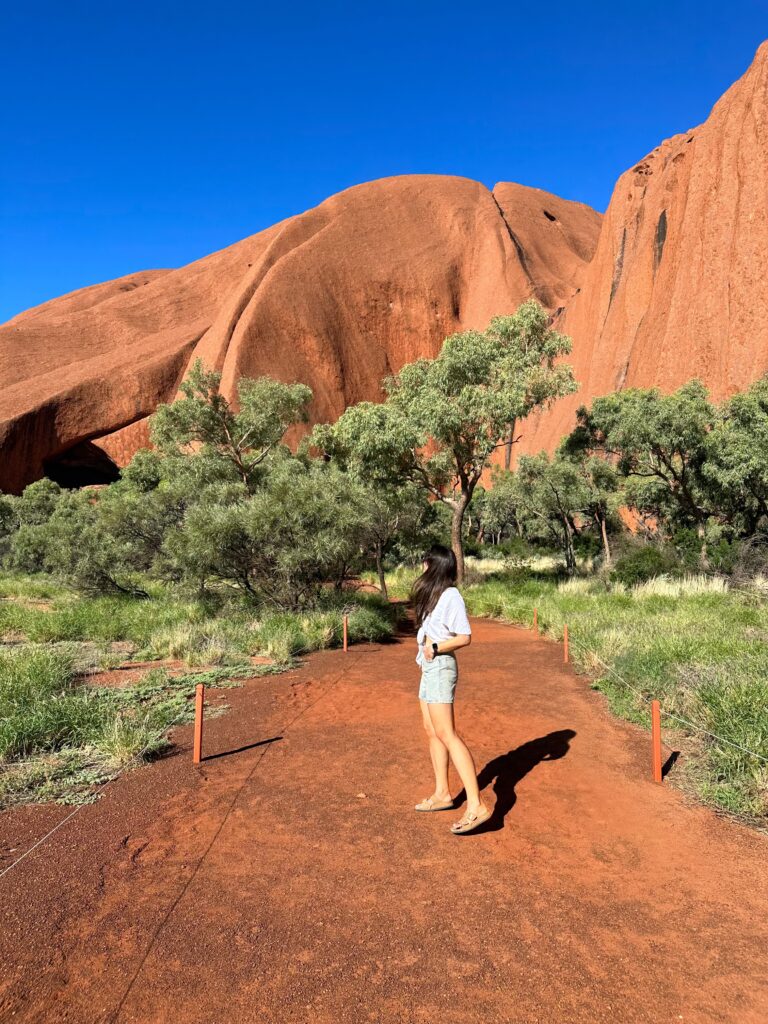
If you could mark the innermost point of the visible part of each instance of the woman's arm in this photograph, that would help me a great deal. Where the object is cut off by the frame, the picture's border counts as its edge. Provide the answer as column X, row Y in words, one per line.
column 453, row 643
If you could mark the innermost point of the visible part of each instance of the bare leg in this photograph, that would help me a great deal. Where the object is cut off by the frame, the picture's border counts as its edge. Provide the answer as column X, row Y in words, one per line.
column 441, row 716
column 438, row 753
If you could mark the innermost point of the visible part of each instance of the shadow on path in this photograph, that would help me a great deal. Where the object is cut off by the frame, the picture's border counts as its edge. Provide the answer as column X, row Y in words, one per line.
column 669, row 764
column 240, row 750
column 506, row 770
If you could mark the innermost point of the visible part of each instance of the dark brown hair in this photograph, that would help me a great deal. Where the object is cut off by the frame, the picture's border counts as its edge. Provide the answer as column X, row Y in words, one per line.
column 438, row 576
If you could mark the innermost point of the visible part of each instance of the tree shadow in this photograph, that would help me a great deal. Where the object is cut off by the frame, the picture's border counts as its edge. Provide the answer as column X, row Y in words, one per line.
column 506, row 770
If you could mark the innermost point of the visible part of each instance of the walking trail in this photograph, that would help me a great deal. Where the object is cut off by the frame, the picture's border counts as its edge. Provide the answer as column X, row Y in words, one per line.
column 292, row 882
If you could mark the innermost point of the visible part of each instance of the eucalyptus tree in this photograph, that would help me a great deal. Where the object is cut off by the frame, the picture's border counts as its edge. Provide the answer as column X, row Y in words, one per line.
column 240, row 439
column 443, row 419
column 553, row 496
column 737, row 457
column 660, row 444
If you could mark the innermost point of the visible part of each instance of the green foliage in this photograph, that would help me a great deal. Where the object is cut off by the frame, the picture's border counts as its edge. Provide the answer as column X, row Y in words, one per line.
column 659, row 444
column 221, row 499
column 567, row 501
column 77, row 736
column 242, row 440
column 552, row 494
column 501, row 510
column 39, row 678
column 24, row 522
column 722, row 551
column 38, row 503
column 391, row 520
column 301, row 528
column 445, row 417
column 643, row 563
column 284, row 636
column 691, row 470
column 736, row 466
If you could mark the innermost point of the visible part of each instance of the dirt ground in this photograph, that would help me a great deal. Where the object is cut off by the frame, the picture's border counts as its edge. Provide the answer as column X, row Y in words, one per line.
column 290, row 880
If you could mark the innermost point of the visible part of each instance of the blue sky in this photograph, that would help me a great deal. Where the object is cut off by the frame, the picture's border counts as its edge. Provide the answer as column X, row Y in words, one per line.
column 146, row 135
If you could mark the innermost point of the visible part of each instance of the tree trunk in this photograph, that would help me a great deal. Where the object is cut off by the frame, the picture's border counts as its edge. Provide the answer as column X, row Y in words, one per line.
column 606, row 545
column 570, row 554
column 508, row 445
column 703, row 554
column 480, row 534
column 380, row 570
column 457, row 540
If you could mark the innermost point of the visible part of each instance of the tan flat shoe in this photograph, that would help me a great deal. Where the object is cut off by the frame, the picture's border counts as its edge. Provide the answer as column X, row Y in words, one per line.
column 470, row 822
column 430, row 805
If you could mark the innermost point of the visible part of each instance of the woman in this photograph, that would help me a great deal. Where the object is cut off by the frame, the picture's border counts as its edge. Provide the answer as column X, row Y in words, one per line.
column 443, row 630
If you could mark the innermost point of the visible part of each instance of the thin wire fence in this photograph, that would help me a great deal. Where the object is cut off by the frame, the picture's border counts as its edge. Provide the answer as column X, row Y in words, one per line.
column 135, row 759
column 669, row 714
column 123, row 768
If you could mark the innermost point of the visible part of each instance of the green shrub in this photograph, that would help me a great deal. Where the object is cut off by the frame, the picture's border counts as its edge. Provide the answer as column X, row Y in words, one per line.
column 513, row 547
column 280, row 636
column 370, row 625
column 643, row 563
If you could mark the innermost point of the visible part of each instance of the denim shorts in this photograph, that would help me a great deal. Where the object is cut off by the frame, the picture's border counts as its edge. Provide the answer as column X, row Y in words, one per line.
column 438, row 679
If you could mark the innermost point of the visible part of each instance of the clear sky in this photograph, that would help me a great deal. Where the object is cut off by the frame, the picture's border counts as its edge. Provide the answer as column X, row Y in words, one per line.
column 148, row 134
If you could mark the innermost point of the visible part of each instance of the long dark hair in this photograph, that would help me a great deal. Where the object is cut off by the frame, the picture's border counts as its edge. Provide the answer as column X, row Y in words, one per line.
column 440, row 574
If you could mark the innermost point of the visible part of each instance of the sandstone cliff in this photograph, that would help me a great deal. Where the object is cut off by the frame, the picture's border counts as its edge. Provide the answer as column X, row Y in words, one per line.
column 337, row 297
column 678, row 286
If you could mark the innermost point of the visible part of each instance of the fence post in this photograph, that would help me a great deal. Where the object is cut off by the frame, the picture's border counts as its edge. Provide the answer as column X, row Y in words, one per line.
column 565, row 643
column 536, row 620
column 197, row 748
column 656, row 739
column 346, row 630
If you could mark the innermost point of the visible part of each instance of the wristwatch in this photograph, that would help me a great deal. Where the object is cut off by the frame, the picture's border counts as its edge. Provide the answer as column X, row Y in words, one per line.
column 434, row 650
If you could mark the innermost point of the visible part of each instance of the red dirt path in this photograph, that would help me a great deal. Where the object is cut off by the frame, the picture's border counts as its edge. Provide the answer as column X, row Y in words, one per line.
column 291, row 882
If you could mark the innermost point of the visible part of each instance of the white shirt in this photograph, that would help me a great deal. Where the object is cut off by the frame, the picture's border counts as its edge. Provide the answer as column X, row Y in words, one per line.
column 448, row 618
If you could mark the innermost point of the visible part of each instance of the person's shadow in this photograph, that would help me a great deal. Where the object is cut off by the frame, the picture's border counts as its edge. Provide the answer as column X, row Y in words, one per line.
column 506, row 770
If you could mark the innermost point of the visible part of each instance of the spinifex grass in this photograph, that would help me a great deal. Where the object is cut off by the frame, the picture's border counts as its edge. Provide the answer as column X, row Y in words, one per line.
column 225, row 631
column 59, row 737
column 701, row 650
column 97, row 619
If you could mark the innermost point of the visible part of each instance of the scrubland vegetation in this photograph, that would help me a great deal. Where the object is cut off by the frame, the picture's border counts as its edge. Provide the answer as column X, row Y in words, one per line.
column 64, row 732
column 647, row 532
column 699, row 648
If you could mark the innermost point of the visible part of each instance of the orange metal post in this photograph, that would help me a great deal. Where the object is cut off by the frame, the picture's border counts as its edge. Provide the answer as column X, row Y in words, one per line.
column 565, row 643
column 346, row 629
column 656, row 739
column 197, row 749
column 536, row 620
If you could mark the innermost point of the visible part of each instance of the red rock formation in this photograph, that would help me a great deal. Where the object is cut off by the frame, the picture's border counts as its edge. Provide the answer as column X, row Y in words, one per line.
column 380, row 274
column 678, row 287
column 101, row 358
column 555, row 238
column 337, row 297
